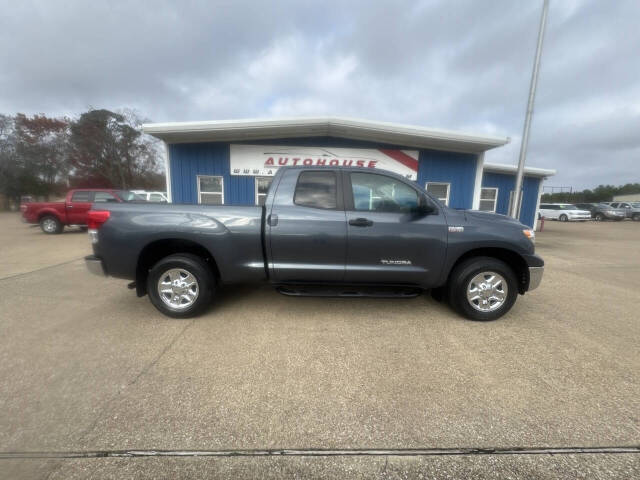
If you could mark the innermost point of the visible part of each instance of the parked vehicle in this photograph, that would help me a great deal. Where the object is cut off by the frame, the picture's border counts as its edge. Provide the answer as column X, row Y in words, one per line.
column 328, row 231
column 154, row 197
column 53, row 216
column 602, row 211
column 632, row 209
column 564, row 212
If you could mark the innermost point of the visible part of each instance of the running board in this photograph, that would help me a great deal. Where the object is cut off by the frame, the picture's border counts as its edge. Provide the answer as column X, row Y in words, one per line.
column 348, row 291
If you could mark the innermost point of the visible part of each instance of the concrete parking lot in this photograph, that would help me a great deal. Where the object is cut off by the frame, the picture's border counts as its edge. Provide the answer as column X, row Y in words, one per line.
column 87, row 366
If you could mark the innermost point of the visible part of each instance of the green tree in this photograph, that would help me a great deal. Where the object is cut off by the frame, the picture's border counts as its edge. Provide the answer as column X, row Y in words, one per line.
column 41, row 147
column 108, row 149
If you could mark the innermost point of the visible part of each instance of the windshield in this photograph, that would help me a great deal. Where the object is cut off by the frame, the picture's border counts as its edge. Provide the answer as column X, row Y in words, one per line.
column 604, row 206
column 128, row 196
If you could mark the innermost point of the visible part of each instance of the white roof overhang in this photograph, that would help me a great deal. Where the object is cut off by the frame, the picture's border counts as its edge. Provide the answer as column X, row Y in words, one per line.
column 380, row 132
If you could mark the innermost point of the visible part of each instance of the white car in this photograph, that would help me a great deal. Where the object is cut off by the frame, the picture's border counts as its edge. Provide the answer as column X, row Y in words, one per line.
column 564, row 212
column 155, row 197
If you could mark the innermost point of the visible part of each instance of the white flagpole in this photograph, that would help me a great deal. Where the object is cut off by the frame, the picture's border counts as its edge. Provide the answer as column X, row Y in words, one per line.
column 515, row 205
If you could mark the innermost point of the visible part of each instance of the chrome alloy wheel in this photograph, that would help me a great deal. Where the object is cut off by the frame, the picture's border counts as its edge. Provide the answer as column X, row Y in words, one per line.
column 178, row 289
column 487, row 291
column 49, row 225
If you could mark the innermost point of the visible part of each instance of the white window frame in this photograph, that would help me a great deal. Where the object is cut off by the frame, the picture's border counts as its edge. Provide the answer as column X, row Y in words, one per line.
column 256, row 188
column 198, row 177
column 445, row 200
column 511, row 203
column 495, row 199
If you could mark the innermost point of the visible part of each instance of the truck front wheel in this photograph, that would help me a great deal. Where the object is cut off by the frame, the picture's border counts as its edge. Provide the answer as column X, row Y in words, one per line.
column 180, row 285
column 50, row 224
column 482, row 288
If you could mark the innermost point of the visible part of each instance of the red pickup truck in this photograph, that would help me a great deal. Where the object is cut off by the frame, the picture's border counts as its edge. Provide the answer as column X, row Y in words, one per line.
column 53, row 216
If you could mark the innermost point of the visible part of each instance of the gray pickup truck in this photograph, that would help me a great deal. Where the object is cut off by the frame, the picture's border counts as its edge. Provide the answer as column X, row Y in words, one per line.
column 322, row 231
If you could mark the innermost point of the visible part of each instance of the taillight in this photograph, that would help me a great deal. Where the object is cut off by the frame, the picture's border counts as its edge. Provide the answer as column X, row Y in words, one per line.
column 96, row 218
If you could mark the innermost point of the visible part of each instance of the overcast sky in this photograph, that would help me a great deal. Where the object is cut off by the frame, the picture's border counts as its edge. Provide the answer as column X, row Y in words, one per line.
column 461, row 65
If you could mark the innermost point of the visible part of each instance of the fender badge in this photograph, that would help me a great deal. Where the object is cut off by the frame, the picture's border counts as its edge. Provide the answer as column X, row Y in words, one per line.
column 456, row 229
column 385, row 261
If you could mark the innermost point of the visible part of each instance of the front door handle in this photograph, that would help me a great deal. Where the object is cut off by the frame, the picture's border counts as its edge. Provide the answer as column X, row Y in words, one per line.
column 360, row 222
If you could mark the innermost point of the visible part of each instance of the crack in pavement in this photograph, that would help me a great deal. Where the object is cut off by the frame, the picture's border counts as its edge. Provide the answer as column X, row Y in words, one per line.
column 142, row 372
column 401, row 452
column 40, row 269
column 104, row 408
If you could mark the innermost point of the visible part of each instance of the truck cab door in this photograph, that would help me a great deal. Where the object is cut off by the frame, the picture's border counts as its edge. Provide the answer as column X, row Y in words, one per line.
column 78, row 206
column 306, row 228
column 392, row 237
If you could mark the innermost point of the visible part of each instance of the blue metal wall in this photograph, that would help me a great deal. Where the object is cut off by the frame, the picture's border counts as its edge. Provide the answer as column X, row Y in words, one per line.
column 187, row 160
column 458, row 169
column 506, row 182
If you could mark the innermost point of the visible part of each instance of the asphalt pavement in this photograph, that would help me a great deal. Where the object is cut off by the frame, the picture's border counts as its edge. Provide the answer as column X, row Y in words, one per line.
column 88, row 366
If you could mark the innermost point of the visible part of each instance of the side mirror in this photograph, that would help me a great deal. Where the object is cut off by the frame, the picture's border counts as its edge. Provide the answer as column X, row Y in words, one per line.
column 424, row 209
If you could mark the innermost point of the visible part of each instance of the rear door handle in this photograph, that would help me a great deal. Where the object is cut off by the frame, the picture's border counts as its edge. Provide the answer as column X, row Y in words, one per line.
column 272, row 220
column 360, row 222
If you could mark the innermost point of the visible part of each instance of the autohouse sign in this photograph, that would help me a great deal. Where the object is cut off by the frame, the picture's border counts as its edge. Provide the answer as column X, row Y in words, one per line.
column 264, row 160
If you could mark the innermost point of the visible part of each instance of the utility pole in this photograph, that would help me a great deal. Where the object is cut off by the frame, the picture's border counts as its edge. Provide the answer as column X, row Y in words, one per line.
column 515, row 205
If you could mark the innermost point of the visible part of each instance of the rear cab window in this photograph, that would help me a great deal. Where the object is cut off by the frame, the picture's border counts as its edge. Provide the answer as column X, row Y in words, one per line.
column 317, row 189
column 104, row 197
column 81, row 196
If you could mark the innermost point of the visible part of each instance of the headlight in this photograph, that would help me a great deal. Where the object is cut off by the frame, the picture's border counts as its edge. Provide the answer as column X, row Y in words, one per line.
column 530, row 234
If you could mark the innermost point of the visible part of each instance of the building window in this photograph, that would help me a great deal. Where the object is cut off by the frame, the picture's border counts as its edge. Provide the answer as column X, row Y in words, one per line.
column 511, row 204
column 262, row 188
column 440, row 191
column 488, row 199
column 210, row 190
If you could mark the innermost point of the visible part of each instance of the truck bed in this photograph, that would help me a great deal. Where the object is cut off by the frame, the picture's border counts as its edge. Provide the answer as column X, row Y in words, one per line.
column 231, row 234
column 32, row 211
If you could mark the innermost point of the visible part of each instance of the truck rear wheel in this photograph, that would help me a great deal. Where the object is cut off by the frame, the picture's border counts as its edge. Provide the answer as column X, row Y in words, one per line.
column 482, row 288
column 180, row 285
column 51, row 225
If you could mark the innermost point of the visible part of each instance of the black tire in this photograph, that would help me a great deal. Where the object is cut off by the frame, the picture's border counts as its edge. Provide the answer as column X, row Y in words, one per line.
column 192, row 264
column 51, row 225
column 599, row 217
column 636, row 217
column 563, row 218
column 462, row 275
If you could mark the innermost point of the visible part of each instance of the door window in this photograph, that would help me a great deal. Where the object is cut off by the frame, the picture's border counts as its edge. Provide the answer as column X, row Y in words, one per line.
column 81, row 196
column 317, row 190
column 488, row 199
column 379, row 193
column 440, row 191
column 104, row 197
column 210, row 190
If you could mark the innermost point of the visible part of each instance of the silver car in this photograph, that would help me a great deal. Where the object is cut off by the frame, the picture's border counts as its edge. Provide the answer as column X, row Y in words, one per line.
column 565, row 212
column 632, row 209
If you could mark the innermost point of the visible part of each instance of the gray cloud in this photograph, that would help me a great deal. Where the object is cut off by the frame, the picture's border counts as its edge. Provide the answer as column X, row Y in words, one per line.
column 461, row 65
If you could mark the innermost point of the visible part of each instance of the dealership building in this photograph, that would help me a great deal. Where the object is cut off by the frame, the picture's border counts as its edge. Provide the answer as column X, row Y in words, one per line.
column 233, row 162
